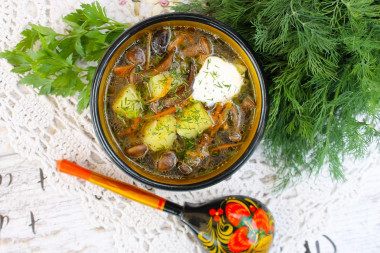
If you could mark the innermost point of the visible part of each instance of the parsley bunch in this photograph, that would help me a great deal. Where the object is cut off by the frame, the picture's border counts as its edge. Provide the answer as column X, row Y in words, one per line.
column 54, row 61
column 322, row 61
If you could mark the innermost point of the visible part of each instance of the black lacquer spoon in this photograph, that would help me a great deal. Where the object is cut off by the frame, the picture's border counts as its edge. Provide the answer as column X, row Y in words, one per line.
column 228, row 224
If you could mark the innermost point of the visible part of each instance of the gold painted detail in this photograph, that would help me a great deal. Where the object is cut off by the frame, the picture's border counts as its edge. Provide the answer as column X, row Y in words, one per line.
column 243, row 227
column 213, row 240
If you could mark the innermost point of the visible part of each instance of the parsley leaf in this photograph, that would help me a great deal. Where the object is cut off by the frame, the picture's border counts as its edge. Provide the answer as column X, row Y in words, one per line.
column 54, row 66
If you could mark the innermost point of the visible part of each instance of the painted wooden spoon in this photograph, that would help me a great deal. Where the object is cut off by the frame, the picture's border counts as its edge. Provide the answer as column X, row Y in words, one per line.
column 228, row 224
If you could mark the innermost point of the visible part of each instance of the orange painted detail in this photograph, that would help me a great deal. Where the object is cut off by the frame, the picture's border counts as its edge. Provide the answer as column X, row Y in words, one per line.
column 161, row 204
column 129, row 191
column 124, row 189
column 73, row 169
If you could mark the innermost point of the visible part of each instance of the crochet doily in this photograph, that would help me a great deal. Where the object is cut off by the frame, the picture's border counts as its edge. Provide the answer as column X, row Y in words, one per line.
column 47, row 128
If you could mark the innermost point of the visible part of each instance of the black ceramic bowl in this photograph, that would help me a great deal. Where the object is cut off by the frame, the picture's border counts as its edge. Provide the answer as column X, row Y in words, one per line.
column 99, row 89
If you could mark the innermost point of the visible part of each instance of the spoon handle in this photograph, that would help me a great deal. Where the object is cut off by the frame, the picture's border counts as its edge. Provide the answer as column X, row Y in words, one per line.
column 126, row 190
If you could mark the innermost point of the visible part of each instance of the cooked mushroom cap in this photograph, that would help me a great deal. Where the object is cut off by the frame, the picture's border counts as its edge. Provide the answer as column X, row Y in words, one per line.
column 163, row 66
column 247, row 104
column 137, row 151
column 185, row 169
column 160, row 41
column 167, row 161
column 136, row 55
column 202, row 47
column 235, row 137
column 183, row 91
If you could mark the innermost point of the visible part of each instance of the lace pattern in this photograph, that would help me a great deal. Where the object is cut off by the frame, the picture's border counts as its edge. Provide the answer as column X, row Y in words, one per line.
column 47, row 128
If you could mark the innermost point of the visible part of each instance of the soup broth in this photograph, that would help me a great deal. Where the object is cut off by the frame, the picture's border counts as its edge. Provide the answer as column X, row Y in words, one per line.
column 180, row 102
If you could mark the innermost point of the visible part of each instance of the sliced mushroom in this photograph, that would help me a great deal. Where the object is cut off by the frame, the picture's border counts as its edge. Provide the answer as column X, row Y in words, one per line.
column 123, row 71
column 225, row 126
column 149, row 42
column 206, row 162
column 201, row 151
column 134, row 77
column 205, row 45
column 153, row 106
column 247, row 104
column 203, row 144
column 136, row 55
column 160, row 41
column 164, row 65
column 191, row 76
column 137, row 151
column 184, row 90
column 235, row 135
column 167, row 161
column 202, row 58
column 202, row 47
column 180, row 39
column 185, row 169
column 194, row 160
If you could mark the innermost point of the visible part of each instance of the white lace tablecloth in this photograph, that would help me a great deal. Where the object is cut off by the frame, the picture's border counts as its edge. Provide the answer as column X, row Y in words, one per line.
column 47, row 129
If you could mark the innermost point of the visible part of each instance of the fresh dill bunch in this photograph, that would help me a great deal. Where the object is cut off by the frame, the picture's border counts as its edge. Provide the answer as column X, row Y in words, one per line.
column 322, row 62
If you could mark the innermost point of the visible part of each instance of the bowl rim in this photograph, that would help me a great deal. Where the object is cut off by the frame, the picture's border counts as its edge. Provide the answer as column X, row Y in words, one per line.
column 99, row 132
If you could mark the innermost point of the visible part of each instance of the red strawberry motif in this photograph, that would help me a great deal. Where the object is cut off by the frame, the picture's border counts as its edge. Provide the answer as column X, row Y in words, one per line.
column 243, row 238
column 236, row 212
column 261, row 219
column 239, row 241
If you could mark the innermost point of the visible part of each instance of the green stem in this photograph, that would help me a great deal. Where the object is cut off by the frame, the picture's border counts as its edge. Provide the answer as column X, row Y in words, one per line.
column 294, row 13
column 329, row 122
column 113, row 27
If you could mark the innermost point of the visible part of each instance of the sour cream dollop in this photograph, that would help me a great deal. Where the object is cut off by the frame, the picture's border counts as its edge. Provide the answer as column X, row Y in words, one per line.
column 217, row 81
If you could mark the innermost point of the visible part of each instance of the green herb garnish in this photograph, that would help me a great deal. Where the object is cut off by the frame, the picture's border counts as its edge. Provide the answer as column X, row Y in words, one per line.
column 53, row 67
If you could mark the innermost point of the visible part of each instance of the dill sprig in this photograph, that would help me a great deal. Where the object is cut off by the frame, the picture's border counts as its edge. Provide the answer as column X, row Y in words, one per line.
column 322, row 62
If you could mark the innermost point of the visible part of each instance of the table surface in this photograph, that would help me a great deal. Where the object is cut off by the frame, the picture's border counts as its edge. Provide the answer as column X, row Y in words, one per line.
column 34, row 217
column 43, row 220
